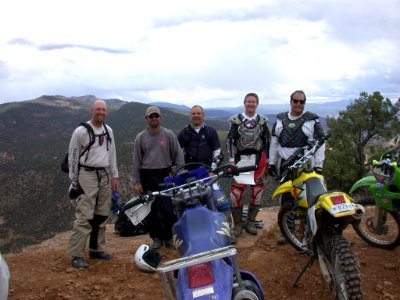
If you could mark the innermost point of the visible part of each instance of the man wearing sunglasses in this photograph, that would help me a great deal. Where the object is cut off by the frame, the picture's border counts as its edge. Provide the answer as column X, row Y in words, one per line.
column 156, row 150
column 293, row 130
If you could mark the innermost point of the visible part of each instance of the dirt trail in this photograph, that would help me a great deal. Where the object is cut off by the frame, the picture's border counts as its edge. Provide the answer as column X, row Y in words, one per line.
column 43, row 271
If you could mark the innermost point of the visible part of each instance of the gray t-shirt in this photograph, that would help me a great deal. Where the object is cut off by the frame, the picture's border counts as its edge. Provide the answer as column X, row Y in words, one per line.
column 155, row 151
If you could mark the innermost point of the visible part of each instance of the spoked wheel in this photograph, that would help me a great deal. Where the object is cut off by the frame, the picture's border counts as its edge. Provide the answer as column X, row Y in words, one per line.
column 340, row 270
column 378, row 227
column 291, row 222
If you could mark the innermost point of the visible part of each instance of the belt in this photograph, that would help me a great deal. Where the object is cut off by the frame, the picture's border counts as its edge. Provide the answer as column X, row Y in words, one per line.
column 91, row 169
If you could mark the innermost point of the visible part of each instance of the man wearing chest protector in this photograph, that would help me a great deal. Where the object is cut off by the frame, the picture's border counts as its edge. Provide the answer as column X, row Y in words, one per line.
column 248, row 139
column 293, row 130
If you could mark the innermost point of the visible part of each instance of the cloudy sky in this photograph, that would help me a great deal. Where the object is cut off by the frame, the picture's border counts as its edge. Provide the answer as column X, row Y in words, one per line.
column 209, row 52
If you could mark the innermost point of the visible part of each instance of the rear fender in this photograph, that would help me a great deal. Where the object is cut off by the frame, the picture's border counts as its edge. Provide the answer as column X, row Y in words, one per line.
column 222, row 285
column 363, row 182
column 326, row 203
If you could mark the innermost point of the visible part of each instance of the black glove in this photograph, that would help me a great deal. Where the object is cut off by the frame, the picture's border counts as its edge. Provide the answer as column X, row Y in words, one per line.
column 272, row 171
column 318, row 170
column 74, row 191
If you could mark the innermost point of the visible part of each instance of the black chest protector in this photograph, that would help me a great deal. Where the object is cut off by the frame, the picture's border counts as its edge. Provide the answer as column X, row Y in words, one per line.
column 292, row 135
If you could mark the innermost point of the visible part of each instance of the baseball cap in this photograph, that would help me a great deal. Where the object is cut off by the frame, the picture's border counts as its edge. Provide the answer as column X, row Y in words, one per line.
column 152, row 110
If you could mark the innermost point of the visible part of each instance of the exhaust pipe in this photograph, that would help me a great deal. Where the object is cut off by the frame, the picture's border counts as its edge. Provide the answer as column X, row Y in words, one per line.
column 360, row 211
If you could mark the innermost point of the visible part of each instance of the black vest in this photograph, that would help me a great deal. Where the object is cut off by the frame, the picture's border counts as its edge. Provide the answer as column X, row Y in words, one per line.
column 292, row 135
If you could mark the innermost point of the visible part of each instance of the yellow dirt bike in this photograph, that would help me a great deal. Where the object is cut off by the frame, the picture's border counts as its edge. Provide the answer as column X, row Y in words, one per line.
column 314, row 222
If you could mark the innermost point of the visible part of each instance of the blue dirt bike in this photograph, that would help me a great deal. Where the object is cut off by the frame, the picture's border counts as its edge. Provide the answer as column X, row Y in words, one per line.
column 207, row 267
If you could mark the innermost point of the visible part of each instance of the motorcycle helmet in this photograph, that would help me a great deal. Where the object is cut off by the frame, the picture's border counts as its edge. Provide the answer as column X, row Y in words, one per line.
column 147, row 258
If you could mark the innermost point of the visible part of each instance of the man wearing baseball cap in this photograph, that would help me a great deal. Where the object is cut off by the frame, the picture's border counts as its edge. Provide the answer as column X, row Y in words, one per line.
column 152, row 110
column 156, row 150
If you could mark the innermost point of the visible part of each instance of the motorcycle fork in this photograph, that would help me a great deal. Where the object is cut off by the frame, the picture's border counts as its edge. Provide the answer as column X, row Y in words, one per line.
column 379, row 219
column 300, row 216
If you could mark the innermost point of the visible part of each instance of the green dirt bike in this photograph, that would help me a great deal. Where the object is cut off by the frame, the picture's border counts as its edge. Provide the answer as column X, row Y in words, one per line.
column 314, row 221
column 380, row 225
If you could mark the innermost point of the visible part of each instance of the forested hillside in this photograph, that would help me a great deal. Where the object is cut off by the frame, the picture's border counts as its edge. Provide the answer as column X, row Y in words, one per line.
column 34, row 137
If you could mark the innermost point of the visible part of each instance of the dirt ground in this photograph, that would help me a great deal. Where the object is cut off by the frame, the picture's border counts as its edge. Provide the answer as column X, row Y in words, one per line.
column 43, row 271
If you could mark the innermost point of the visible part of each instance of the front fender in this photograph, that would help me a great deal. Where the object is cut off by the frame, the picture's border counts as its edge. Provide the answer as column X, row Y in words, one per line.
column 366, row 181
column 284, row 188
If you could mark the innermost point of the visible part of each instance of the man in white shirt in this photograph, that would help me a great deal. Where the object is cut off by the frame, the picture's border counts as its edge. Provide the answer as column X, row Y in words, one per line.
column 293, row 130
column 93, row 171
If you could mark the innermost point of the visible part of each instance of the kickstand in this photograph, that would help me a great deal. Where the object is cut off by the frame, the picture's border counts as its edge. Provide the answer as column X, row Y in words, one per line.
column 308, row 265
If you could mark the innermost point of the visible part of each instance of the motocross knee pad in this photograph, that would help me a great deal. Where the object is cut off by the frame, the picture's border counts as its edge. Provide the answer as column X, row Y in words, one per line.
column 256, row 193
column 236, row 194
column 95, row 223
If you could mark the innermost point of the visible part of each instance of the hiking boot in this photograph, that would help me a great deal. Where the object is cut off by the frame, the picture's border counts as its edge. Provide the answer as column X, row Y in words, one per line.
column 157, row 243
column 170, row 244
column 79, row 263
column 237, row 220
column 282, row 240
column 237, row 230
column 251, row 219
column 100, row 255
column 250, row 228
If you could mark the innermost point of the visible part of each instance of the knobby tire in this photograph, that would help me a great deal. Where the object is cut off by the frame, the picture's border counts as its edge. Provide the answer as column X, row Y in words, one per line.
column 345, row 267
column 361, row 227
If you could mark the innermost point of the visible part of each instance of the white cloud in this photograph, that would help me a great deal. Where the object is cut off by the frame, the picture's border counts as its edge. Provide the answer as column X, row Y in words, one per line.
column 207, row 52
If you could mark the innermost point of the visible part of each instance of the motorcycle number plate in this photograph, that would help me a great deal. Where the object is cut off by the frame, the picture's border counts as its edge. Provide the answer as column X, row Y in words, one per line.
column 338, row 208
column 203, row 291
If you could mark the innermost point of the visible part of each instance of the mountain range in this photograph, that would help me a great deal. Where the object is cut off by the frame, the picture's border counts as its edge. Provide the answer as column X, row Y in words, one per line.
column 323, row 109
column 34, row 137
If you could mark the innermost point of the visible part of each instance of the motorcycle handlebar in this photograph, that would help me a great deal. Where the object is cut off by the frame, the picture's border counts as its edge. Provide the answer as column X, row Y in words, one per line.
column 141, row 200
column 384, row 166
column 246, row 169
column 233, row 170
column 302, row 154
column 199, row 187
column 224, row 171
column 132, row 204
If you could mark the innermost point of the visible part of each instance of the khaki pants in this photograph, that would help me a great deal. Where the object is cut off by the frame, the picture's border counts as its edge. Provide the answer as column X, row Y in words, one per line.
column 95, row 200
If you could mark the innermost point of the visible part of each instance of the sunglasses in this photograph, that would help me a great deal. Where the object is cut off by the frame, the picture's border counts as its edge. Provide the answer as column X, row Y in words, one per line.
column 153, row 116
column 299, row 101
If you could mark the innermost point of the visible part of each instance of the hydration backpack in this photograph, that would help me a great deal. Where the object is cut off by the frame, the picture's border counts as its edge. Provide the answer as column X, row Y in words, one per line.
column 92, row 136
